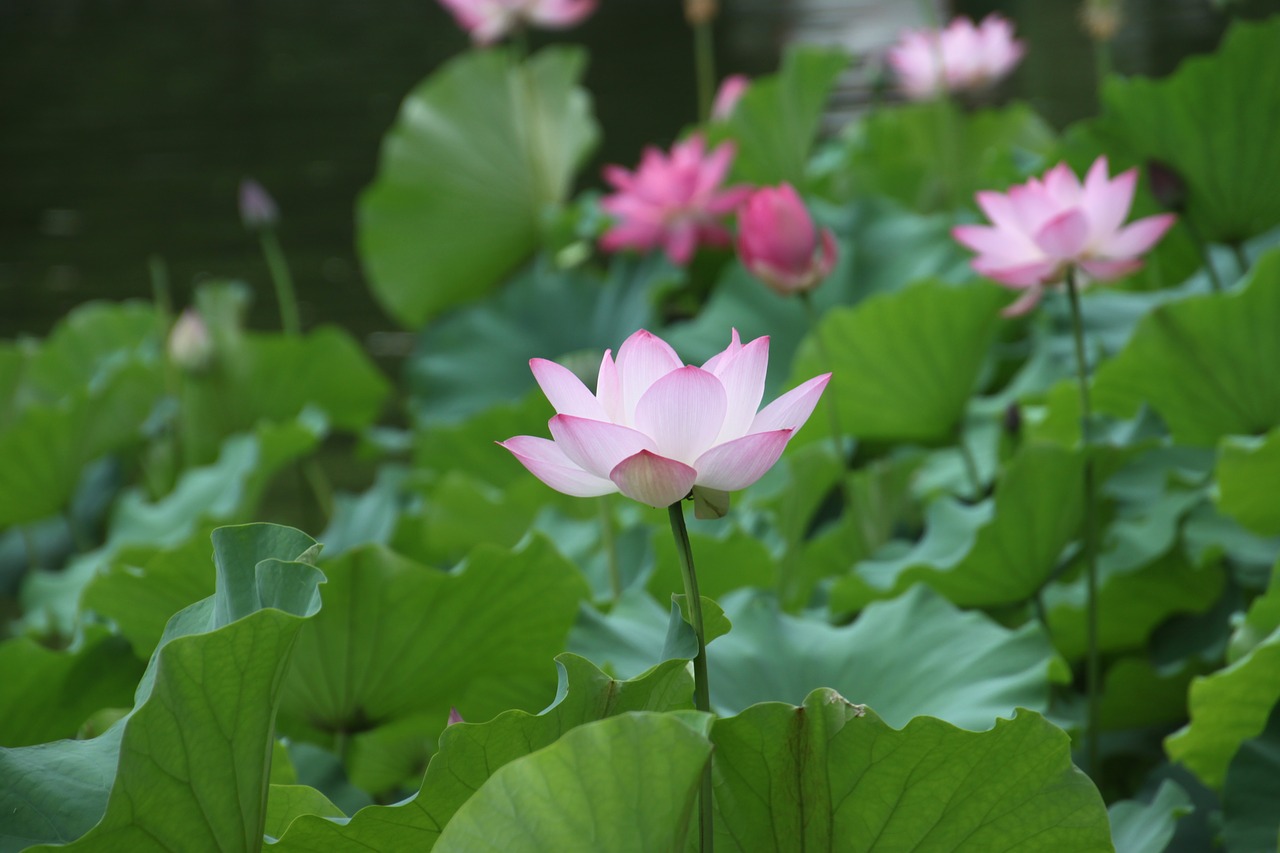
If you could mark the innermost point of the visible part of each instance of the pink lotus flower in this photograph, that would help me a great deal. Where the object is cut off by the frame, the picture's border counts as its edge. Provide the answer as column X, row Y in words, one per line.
column 727, row 96
column 778, row 243
column 190, row 344
column 962, row 57
column 657, row 430
column 489, row 20
column 675, row 201
column 1043, row 228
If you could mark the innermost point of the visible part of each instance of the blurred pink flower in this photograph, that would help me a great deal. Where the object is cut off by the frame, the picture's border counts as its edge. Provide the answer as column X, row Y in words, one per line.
column 655, row 429
column 1042, row 228
column 727, row 96
column 962, row 57
column 489, row 20
column 675, row 201
column 778, row 243
column 190, row 344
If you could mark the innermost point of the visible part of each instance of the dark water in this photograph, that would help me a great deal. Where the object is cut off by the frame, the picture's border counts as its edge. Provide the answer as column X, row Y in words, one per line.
column 127, row 124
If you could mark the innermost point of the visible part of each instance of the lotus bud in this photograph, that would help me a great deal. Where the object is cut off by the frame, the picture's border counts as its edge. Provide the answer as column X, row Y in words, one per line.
column 190, row 344
column 257, row 208
column 454, row 717
column 778, row 243
column 699, row 12
column 1101, row 19
column 1167, row 185
column 728, row 95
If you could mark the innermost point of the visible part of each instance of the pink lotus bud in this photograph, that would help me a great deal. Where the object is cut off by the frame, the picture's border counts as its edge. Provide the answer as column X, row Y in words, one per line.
column 454, row 718
column 728, row 95
column 674, row 201
column 190, row 345
column 489, row 20
column 658, row 430
column 778, row 243
column 1042, row 229
column 257, row 208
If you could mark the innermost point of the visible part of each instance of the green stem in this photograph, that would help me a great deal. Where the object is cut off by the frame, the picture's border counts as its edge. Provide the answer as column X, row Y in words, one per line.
column 1092, row 683
column 1102, row 61
column 970, row 464
column 610, row 544
column 1206, row 257
column 705, row 64
column 160, row 288
column 283, row 281
column 837, row 434
column 1242, row 260
column 701, row 690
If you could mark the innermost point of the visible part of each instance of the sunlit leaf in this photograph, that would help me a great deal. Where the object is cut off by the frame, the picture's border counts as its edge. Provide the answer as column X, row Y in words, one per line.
column 481, row 151
column 1248, row 472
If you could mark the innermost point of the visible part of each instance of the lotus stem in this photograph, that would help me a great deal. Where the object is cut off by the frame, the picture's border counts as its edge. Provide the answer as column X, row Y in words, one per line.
column 970, row 463
column 1092, row 682
column 701, row 690
column 610, row 544
column 1206, row 257
column 282, row 279
column 705, row 65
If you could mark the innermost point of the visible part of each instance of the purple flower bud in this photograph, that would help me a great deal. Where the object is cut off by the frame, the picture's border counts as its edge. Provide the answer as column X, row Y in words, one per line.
column 454, row 717
column 1167, row 185
column 257, row 208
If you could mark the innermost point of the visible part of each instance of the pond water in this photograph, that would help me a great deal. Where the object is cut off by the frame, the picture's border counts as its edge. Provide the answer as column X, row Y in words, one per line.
column 129, row 123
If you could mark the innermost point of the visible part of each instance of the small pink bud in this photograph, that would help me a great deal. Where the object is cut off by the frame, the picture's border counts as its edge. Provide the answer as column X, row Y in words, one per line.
column 190, row 345
column 778, row 243
column 454, row 717
column 728, row 95
column 257, row 208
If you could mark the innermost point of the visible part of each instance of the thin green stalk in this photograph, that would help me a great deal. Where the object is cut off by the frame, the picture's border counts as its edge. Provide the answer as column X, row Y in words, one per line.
column 1092, row 682
column 705, row 64
column 701, row 690
column 837, row 434
column 283, row 281
column 970, row 463
column 609, row 541
column 1242, row 260
column 1102, row 61
column 1206, row 256
column 160, row 291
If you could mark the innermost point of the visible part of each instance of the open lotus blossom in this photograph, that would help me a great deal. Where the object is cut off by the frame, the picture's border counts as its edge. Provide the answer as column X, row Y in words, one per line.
column 657, row 430
column 779, row 244
column 675, row 202
column 1043, row 228
column 962, row 57
column 489, row 20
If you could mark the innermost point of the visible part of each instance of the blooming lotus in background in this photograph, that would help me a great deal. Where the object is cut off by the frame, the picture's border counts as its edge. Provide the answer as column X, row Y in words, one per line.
column 257, row 208
column 675, row 202
column 962, row 57
column 489, row 20
column 658, row 430
column 778, row 243
column 1042, row 229
column 190, row 344
column 728, row 95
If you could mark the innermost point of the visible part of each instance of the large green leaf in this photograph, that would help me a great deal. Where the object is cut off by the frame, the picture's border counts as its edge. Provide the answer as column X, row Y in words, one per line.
column 1227, row 708
column 1138, row 827
column 480, row 152
column 833, row 776
column 908, row 657
column 471, row 752
column 1248, row 471
column 904, row 364
column 934, row 156
column 480, row 355
column 44, row 450
column 398, row 640
column 778, row 117
column 627, row 783
column 1205, row 363
column 189, row 767
column 1251, row 794
column 1214, row 121
column 1000, row 551
column 49, row 694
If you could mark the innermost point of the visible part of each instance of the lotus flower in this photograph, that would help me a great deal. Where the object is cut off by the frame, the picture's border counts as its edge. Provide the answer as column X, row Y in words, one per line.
column 489, row 20
column 728, row 95
column 657, row 430
column 778, row 243
column 675, row 201
column 257, row 207
column 962, row 57
column 190, row 344
column 1043, row 228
